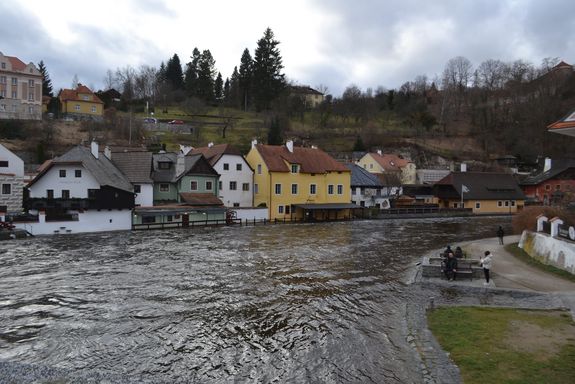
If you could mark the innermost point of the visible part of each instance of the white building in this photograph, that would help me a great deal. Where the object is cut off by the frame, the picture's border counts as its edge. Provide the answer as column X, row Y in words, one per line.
column 136, row 165
column 11, row 181
column 367, row 190
column 80, row 191
column 236, row 176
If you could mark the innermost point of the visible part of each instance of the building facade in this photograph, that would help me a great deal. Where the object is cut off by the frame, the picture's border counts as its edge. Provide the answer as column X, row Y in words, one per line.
column 554, row 185
column 80, row 103
column 379, row 163
column 20, row 89
column 11, row 181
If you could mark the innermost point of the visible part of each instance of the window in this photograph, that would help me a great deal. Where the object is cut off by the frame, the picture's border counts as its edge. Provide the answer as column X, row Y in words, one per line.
column 164, row 187
column 278, row 189
column 164, row 164
column 137, row 188
column 226, row 167
column 478, row 205
column 193, row 185
column 340, row 189
column 85, row 97
column 294, row 168
column 236, row 204
column 547, row 187
column 31, row 83
column 77, row 107
column 148, row 219
column 220, row 184
column 238, row 167
column 371, row 166
column 14, row 94
column 65, row 194
column 2, row 79
column 500, row 203
column 256, row 189
column 62, row 173
column 280, row 209
column 330, row 189
column 209, row 185
column 50, row 193
column 30, row 109
column 31, row 96
column 506, row 203
column 170, row 218
column 455, row 205
column 312, row 189
column 92, row 193
column 259, row 169
column 3, row 163
column 3, row 93
column 3, row 65
column 245, row 187
column 513, row 203
column 287, row 209
column 558, row 187
column 93, row 109
column 78, row 173
column 6, row 189
column 233, row 185
column 14, row 81
column 294, row 189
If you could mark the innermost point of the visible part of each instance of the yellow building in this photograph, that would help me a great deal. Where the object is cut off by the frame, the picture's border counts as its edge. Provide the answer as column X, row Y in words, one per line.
column 483, row 192
column 81, row 103
column 297, row 183
column 389, row 164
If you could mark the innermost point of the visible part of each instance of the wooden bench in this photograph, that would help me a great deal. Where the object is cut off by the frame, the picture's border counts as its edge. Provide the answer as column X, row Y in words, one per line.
column 464, row 268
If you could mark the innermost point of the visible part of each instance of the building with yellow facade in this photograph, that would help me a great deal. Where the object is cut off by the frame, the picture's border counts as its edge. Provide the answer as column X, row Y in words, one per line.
column 483, row 192
column 20, row 89
column 297, row 183
column 80, row 103
column 389, row 164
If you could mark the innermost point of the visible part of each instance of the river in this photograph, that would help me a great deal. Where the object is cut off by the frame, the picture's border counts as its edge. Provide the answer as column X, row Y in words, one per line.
column 277, row 303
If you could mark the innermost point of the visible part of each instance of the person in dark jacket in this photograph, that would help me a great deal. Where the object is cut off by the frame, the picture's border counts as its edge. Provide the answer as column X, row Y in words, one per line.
column 500, row 234
column 458, row 253
column 450, row 267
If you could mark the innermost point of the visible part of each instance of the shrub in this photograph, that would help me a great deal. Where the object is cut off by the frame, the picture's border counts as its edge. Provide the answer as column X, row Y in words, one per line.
column 527, row 219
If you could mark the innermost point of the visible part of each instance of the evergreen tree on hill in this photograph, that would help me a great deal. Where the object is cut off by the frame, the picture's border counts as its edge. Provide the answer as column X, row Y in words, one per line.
column 205, row 82
column 46, row 82
column 245, row 80
column 174, row 75
column 233, row 99
column 192, row 73
column 268, row 81
column 227, row 89
column 275, row 132
column 219, row 87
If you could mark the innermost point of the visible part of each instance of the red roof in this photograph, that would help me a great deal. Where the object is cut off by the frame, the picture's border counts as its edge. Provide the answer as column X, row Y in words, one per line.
column 198, row 199
column 17, row 64
column 311, row 160
column 214, row 152
column 73, row 94
column 566, row 122
column 390, row 162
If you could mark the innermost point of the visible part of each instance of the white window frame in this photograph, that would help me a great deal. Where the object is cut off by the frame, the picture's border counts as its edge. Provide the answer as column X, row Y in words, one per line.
column 330, row 189
column 281, row 209
column 245, row 187
column 164, row 187
column 340, row 189
column 477, row 205
column 234, row 186
column 278, row 189
column 209, row 185
column 294, row 187
column 193, row 183
column 9, row 187
column 77, row 107
column 499, row 203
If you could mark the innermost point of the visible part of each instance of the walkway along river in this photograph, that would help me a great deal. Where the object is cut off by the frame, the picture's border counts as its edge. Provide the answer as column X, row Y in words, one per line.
column 284, row 303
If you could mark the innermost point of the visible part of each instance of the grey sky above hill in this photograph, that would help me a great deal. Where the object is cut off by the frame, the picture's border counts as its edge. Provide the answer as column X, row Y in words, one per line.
column 336, row 43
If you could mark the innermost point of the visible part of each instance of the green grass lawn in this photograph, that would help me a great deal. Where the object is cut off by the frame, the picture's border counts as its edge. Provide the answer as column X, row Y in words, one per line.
column 500, row 345
column 523, row 256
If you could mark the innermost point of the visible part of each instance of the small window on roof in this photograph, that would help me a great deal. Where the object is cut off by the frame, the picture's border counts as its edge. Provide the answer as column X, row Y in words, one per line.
column 164, row 164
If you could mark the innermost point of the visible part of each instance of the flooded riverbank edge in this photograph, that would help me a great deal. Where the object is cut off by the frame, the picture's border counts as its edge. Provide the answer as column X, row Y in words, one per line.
column 426, row 294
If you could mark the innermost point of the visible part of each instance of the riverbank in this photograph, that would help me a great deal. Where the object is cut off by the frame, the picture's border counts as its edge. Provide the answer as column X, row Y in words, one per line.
column 514, row 285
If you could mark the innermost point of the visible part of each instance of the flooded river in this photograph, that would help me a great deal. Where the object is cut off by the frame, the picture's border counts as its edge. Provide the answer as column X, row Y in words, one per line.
column 278, row 303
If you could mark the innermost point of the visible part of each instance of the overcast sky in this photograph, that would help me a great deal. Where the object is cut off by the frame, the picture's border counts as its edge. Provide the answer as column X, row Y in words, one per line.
column 331, row 42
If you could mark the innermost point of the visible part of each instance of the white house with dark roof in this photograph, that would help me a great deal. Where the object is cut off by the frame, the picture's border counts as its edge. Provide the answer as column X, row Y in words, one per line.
column 236, row 175
column 80, row 191
column 367, row 190
column 11, row 181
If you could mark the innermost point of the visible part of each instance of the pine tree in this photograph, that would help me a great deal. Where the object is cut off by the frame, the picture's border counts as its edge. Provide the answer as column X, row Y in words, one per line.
column 234, row 92
column 246, row 72
column 192, row 73
column 275, row 133
column 268, row 81
column 206, row 72
column 46, row 82
column 227, row 89
column 219, row 87
column 174, row 75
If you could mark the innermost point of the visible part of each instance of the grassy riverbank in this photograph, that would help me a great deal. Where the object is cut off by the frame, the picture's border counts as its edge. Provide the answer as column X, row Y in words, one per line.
column 501, row 345
column 524, row 257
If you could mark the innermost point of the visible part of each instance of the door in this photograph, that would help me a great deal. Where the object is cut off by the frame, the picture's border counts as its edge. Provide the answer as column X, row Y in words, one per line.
column 185, row 220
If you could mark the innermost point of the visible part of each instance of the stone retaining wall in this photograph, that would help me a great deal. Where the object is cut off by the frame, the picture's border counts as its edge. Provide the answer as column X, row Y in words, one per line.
column 549, row 250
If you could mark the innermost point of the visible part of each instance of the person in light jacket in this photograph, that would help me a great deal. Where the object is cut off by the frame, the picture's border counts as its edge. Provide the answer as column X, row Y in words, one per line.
column 486, row 263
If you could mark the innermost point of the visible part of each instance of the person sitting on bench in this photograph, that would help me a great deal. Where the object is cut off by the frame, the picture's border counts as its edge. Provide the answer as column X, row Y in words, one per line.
column 450, row 267
column 458, row 253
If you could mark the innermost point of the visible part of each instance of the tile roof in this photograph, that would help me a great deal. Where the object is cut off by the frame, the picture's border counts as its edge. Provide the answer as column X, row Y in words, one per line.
column 362, row 178
column 73, row 94
column 17, row 64
column 163, row 175
column 567, row 121
column 311, row 160
column 196, row 164
column 137, row 165
column 304, row 89
column 557, row 167
column 389, row 162
column 215, row 152
column 196, row 199
column 480, row 186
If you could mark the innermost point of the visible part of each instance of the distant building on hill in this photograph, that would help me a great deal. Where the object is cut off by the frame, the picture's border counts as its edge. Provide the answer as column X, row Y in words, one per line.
column 311, row 97
column 378, row 162
column 20, row 89
column 80, row 103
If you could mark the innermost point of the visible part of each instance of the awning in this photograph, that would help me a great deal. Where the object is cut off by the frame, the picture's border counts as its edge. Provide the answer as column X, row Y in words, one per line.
column 317, row 207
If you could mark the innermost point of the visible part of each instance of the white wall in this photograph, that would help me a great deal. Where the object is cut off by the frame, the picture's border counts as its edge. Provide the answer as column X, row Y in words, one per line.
column 146, row 196
column 549, row 250
column 15, row 164
column 244, row 198
column 88, row 221
column 78, row 186
column 369, row 197
column 251, row 213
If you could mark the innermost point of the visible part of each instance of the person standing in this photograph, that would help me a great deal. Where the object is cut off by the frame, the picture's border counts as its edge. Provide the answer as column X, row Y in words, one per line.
column 500, row 234
column 486, row 263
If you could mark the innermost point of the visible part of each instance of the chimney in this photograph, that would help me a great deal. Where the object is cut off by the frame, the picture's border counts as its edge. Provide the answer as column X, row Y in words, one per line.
column 289, row 145
column 108, row 152
column 547, row 165
column 463, row 167
column 180, row 164
column 210, row 144
column 94, row 148
column 254, row 143
column 379, row 152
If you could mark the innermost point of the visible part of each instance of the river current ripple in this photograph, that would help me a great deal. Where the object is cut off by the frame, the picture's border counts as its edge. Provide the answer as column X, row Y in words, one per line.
column 277, row 303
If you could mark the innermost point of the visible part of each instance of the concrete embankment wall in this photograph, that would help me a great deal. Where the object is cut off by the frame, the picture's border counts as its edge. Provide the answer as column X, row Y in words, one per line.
column 549, row 250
